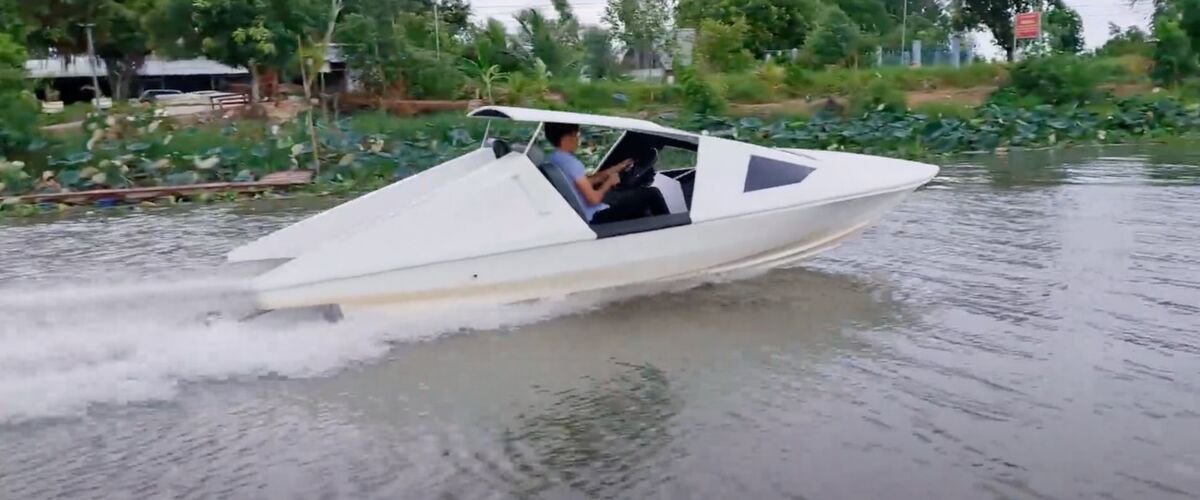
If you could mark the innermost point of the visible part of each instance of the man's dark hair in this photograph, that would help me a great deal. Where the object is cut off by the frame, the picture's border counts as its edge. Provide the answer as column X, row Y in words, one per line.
column 556, row 131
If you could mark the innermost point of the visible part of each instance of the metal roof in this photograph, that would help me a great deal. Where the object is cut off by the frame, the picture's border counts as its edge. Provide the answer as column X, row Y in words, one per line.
column 81, row 67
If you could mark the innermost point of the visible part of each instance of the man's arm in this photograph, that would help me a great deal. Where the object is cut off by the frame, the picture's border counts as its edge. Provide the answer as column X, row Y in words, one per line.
column 598, row 178
column 594, row 195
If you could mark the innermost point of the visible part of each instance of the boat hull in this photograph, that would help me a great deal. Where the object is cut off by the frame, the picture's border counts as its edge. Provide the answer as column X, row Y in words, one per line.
column 762, row 240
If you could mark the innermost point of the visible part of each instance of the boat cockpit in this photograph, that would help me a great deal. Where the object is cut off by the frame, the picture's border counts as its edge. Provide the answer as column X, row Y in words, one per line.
column 676, row 183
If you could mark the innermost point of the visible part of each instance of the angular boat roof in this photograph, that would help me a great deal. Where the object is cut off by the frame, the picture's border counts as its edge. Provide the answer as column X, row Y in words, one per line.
column 547, row 116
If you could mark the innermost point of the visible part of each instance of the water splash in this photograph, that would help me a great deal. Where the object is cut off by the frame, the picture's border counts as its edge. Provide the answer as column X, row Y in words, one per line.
column 66, row 348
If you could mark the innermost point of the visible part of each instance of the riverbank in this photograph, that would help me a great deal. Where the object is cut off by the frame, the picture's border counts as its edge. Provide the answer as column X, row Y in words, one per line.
column 363, row 151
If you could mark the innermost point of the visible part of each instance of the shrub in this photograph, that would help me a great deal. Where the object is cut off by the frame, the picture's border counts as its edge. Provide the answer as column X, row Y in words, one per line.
column 721, row 46
column 1058, row 79
column 796, row 77
column 598, row 58
column 608, row 94
column 746, row 88
column 700, row 95
column 1173, row 56
column 1008, row 97
column 1132, row 41
column 589, row 96
column 646, row 94
column 774, row 76
column 879, row 95
column 835, row 39
column 1136, row 64
column 1124, row 69
column 435, row 79
column 18, row 108
column 524, row 90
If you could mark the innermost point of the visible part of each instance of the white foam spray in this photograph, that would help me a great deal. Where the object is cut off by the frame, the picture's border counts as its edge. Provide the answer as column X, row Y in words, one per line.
column 65, row 349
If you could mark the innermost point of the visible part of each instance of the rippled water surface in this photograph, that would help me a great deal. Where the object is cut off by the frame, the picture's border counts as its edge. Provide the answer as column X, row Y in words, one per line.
column 1026, row 327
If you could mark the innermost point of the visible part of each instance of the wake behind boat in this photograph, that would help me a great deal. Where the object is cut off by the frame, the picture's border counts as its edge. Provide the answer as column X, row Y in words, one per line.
column 500, row 224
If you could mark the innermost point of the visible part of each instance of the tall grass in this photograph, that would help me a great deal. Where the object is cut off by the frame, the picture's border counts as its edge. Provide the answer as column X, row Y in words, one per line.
column 845, row 81
column 611, row 94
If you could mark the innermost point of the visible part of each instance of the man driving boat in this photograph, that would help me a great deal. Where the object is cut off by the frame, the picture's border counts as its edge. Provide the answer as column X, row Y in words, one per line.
column 595, row 192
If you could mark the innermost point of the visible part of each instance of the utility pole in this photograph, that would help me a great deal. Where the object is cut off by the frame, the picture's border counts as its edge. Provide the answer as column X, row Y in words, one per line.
column 903, row 33
column 437, row 31
column 92, row 63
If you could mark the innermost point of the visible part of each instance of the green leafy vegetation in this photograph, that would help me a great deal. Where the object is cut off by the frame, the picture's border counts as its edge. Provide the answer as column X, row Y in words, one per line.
column 779, row 58
column 834, row 41
column 721, row 47
column 701, row 95
column 879, row 95
column 1055, row 79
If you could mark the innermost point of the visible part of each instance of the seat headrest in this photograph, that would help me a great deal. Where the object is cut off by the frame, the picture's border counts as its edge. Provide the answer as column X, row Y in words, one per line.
column 500, row 148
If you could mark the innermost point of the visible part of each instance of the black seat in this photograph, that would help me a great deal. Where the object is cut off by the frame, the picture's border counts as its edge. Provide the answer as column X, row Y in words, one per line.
column 562, row 184
column 500, row 148
column 536, row 155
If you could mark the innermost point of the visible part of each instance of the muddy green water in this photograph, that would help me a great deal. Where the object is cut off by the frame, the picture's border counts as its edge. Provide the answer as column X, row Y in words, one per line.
column 1026, row 327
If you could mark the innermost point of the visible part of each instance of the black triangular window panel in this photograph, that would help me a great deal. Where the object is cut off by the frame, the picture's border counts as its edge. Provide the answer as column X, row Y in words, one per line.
column 765, row 173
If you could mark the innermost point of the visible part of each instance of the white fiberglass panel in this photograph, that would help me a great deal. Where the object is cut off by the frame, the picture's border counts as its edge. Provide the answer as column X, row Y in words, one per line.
column 755, row 241
column 505, row 206
column 672, row 193
column 726, row 186
column 329, row 225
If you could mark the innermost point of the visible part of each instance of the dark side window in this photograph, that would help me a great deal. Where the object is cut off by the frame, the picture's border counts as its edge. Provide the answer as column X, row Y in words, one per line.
column 766, row 173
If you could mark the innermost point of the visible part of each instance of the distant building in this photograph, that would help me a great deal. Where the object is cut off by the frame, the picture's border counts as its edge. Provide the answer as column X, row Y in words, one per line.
column 647, row 66
column 72, row 77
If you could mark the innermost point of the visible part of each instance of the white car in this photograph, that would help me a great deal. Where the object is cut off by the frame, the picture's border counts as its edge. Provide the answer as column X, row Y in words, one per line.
column 157, row 95
column 499, row 225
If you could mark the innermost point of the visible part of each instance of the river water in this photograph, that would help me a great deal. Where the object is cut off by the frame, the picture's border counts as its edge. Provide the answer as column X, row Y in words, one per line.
column 1026, row 327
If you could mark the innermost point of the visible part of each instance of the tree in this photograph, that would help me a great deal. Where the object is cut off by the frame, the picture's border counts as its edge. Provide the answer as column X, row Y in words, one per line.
column 490, row 45
column 641, row 25
column 119, row 33
column 1064, row 28
column 455, row 14
column 771, row 24
column 598, row 58
column 1131, row 40
column 568, row 24
column 927, row 20
column 995, row 15
column 834, row 40
column 390, row 48
column 123, row 43
column 18, row 109
column 1174, row 29
column 10, row 21
column 1174, row 59
column 1188, row 14
column 543, row 39
column 721, row 46
column 262, row 36
column 871, row 16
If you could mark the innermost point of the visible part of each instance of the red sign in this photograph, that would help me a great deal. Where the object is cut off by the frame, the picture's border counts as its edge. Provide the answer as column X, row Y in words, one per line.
column 1028, row 25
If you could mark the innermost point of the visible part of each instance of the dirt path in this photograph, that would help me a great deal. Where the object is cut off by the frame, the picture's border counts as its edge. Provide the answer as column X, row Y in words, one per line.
column 973, row 96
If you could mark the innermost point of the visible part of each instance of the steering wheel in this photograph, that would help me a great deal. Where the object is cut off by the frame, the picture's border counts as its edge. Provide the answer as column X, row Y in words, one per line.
column 641, row 173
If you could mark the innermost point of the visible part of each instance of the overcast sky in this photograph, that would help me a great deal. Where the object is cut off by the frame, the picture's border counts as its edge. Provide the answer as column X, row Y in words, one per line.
column 1096, row 14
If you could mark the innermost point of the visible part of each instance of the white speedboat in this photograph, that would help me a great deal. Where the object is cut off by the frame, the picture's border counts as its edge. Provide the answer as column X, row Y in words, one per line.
column 500, row 225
